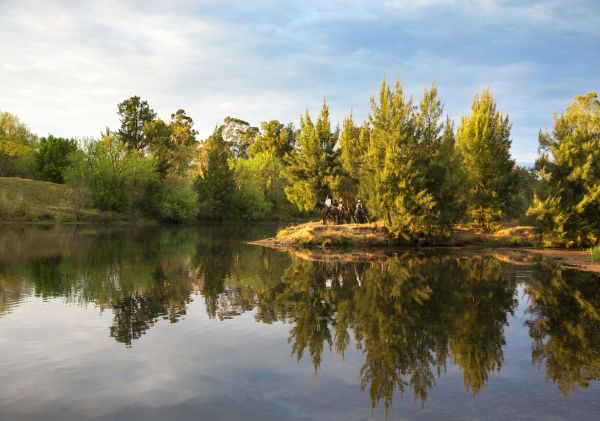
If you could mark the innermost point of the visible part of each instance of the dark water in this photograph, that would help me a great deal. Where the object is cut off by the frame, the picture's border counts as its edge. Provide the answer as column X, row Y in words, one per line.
column 192, row 323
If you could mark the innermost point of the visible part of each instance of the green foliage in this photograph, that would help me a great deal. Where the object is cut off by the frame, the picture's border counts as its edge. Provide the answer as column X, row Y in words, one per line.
column 411, row 173
column 567, row 205
column 526, row 182
column 53, row 157
column 483, row 139
column 216, row 184
column 238, row 136
column 175, row 201
column 134, row 114
column 274, row 139
column 313, row 168
column 173, row 145
column 594, row 253
column 17, row 146
column 259, row 187
column 117, row 177
column 354, row 142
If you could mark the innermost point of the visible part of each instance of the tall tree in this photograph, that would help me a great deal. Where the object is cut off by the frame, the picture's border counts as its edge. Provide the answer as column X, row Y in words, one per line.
column 173, row 145
column 438, row 158
column 238, row 136
column 396, row 188
column 275, row 139
column 483, row 139
column 134, row 114
column 313, row 167
column 567, row 206
column 215, row 184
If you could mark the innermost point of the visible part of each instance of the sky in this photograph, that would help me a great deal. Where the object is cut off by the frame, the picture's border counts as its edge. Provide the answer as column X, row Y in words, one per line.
column 65, row 65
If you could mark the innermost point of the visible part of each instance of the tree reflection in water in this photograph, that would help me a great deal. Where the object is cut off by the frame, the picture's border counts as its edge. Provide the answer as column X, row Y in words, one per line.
column 565, row 326
column 409, row 314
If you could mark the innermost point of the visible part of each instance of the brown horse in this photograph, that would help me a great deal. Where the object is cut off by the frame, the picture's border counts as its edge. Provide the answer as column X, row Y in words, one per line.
column 328, row 213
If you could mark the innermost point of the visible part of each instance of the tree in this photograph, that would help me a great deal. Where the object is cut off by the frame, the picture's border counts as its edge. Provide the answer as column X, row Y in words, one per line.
column 396, row 189
column 134, row 114
column 16, row 146
column 260, row 185
column 52, row 157
column 443, row 172
column 216, row 184
column 483, row 139
column 116, row 176
column 238, row 136
column 175, row 201
column 313, row 168
column 567, row 205
column 354, row 143
column 274, row 138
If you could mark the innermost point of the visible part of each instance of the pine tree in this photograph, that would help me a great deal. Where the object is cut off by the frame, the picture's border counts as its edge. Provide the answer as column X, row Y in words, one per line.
column 396, row 189
column 443, row 174
column 215, row 184
column 483, row 139
column 567, row 207
column 313, row 168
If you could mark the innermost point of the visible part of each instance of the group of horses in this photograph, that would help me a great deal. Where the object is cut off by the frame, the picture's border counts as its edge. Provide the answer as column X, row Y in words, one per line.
column 338, row 216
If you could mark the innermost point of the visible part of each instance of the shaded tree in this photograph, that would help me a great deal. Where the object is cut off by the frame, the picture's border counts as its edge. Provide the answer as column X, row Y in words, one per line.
column 215, row 184
column 134, row 115
column 238, row 135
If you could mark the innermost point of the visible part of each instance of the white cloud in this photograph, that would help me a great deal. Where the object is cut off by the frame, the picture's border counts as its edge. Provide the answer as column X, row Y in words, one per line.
column 66, row 64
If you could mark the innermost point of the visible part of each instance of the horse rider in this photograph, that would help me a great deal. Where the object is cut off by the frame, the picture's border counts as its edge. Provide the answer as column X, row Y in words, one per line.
column 328, row 202
column 359, row 213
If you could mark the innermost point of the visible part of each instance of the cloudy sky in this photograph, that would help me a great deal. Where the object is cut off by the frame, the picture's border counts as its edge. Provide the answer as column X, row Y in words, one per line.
column 64, row 65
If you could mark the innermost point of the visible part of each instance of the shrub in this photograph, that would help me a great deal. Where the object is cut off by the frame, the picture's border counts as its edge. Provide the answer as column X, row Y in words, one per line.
column 52, row 158
column 175, row 201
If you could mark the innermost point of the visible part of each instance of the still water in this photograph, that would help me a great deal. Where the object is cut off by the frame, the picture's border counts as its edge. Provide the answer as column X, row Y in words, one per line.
column 194, row 323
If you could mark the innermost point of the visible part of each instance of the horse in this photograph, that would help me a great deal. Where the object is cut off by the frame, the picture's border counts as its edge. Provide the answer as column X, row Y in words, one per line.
column 331, row 213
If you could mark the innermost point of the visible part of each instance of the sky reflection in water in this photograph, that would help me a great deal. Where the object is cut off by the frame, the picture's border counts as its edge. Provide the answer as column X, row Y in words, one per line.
column 192, row 322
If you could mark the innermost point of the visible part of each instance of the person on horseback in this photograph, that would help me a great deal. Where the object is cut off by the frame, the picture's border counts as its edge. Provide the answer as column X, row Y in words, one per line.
column 328, row 202
column 340, row 207
column 359, row 213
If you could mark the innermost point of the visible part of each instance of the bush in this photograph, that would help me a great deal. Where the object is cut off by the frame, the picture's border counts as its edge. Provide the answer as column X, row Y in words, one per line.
column 175, row 201
column 52, row 158
column 117, row 178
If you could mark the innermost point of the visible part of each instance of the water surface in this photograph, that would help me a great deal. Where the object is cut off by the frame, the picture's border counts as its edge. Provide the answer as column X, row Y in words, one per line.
column 180, row 323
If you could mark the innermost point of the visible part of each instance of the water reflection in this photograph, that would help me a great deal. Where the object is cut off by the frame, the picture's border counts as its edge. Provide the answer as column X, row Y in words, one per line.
column 411, row 314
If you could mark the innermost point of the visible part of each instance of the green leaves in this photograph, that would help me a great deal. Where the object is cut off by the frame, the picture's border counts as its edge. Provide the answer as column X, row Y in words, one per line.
column 568, row 206
column 483, row 139
column 313, row 168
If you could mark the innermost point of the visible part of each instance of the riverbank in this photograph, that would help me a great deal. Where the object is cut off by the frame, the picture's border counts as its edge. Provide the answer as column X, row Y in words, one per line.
column 317, row 235
column 32, row 201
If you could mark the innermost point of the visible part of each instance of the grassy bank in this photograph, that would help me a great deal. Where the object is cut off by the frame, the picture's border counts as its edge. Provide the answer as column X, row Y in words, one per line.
column 24, row 200
column 314, row 234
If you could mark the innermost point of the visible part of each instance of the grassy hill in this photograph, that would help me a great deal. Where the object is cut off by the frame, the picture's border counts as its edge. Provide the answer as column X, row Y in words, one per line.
column 23, row 200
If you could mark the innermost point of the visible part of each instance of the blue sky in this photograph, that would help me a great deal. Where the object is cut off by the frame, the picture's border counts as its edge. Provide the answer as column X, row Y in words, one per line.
column 64, row 65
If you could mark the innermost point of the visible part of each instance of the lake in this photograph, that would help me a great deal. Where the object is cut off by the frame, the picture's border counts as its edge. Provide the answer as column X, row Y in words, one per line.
column 193, row 322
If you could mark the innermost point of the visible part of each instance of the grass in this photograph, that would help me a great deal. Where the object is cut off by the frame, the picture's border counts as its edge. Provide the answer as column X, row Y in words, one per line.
column 23, row 200
column 315, row 234
column 594, row 253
